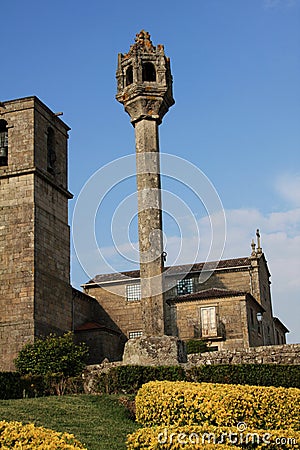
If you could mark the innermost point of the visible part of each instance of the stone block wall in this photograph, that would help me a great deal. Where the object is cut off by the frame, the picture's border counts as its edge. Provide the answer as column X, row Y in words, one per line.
column 234, row 280
column 127, row 315
column 93, row 325
column 16, row 266
column 273, row 354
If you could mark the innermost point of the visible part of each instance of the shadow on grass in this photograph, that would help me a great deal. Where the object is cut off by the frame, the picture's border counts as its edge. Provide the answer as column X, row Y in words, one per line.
column 99, row 422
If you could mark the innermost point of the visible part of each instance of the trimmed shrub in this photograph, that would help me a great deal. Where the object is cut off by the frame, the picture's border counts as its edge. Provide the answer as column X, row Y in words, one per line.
column 14, row 385
column 209, row 437
column 33, row 386
column 58, row 384
column 252, row 374
column 183, row 403
column 15, row 435
column 10, row 385
column 128, row 379
column 53, row 354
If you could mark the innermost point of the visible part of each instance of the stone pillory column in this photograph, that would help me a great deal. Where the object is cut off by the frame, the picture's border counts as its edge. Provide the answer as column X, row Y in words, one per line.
column 145, row 89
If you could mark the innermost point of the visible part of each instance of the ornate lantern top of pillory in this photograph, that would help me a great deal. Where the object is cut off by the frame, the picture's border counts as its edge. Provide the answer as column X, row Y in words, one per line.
column 144, row 73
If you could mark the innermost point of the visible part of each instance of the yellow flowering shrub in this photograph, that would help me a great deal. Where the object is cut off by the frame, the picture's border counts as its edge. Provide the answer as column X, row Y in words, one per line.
column 210, row 437
column 183, row 403
column 15, row 435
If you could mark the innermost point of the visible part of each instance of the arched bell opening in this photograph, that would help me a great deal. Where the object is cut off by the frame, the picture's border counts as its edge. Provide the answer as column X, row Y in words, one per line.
column 3, row 143
column 129, row 76
column 148, row 72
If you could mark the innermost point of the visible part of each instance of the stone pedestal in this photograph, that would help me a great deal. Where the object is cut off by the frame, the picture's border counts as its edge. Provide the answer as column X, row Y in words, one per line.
column 155, row 351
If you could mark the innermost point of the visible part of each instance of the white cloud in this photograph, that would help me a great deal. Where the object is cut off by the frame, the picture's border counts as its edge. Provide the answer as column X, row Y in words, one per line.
column 288, row 187
column 280, row 239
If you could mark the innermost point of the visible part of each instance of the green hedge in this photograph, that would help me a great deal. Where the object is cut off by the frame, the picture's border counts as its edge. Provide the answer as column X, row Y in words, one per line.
column 10, row 385
column 253, row 374
column 128, row 379
column 14, row 385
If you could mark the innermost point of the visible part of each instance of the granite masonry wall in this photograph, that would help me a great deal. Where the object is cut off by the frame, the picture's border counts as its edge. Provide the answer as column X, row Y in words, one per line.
column 272, row 354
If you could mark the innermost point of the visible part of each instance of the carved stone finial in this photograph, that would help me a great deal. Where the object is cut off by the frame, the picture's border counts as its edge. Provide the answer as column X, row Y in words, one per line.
column 259, row 249
column 253, row 253
column 143, row 38
column 143, row 43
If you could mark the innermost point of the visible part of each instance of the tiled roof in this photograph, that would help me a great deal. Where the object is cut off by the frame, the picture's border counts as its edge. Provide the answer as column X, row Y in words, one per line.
column 89, row 326
column 280, row 324
column 116, row 276
column 173, row 270
column 208, row 293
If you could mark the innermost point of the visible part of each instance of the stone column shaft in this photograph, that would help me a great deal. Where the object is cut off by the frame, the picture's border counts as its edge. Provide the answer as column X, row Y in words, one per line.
column 145, row 89
column 150, row 225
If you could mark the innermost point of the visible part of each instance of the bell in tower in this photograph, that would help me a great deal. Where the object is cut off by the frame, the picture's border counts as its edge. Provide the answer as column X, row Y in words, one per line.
column 3, row 143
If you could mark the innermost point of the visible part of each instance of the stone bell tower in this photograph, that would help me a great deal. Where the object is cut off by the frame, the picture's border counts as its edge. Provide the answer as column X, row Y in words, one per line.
column 145, row 89
column 35, row 292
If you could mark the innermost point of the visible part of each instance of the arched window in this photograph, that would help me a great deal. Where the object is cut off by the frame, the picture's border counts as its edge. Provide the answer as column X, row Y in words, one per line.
column 129, row 76
column 149, row 73
column 3, row 143
column 51, row 155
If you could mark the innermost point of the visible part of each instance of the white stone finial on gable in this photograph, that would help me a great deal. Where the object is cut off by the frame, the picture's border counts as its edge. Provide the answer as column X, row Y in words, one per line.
column 259, row 249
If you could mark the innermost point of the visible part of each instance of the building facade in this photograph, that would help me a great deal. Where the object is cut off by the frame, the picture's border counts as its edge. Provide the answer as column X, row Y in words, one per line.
column 231, row 309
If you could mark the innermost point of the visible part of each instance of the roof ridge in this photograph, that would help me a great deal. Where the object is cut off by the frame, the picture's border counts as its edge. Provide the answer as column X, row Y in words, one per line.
column 223, row 263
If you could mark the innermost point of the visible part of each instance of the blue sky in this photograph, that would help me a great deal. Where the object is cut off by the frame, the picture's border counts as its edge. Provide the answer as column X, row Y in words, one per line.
column 236, row 70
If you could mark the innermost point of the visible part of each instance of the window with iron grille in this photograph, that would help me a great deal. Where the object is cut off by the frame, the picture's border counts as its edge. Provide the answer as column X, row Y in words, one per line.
column 135, row 334
column 133, row 292
column 185, row 286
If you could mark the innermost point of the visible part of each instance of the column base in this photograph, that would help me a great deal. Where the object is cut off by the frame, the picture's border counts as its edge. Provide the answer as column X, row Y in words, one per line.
column 154, row 351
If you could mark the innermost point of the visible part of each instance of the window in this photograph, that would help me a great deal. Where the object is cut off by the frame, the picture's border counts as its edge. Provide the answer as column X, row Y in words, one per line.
column 208, row 321
column 258, row 328
column 133, row 292
column 185, row 286
column 251, row 317
column 51, row 155
column 3, row 143
column 135, row 334
column 129, row 76
column 148, row 72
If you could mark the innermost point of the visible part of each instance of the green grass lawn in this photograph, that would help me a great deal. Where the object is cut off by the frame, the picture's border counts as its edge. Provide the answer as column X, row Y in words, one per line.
column 99, row 422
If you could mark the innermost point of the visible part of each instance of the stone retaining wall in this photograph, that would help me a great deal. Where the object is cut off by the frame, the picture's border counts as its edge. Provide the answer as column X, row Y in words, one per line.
column 273, row 354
